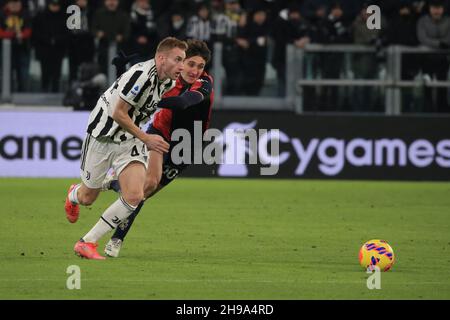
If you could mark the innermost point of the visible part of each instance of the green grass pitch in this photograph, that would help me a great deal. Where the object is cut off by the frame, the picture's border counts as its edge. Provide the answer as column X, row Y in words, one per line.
column 232, row 239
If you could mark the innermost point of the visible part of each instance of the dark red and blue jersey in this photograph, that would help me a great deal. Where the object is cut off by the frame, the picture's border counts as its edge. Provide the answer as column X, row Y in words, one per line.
column 167, row 120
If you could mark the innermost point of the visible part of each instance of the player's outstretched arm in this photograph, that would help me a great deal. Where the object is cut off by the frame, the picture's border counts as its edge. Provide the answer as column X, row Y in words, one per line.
column 152, row 141
column 181, row 102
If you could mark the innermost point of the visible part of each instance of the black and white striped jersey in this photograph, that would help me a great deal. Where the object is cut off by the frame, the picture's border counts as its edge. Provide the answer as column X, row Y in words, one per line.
column 198, row 28
column 141, row 88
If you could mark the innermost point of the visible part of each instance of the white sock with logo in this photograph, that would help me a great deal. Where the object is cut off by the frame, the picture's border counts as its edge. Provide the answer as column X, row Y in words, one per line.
column 73, row 196
column 110, row 219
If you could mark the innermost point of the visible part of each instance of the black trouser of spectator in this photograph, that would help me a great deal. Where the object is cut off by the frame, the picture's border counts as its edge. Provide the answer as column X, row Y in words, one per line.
column 20, row 67
column 233, row 70
column 280, row 67
column 436, row 65
column 51, row 73
column 102, row 54
column 254, row 76
column 142, row 52
column 281, row 80
column 331, row 65
column 311, row 94
column 365, row 67
column 410, row 68
column 81, row 50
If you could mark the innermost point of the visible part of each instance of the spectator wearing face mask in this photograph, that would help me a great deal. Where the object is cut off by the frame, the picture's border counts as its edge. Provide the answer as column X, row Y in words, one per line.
column 143, row 36
column 177, row 24
column 110, row 25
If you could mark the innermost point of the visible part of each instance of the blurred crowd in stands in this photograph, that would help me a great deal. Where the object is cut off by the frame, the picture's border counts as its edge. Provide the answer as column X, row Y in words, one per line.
column 247, row 29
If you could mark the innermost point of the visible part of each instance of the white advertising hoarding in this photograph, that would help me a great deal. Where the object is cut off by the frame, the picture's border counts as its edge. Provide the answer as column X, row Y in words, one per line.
column 41, row 144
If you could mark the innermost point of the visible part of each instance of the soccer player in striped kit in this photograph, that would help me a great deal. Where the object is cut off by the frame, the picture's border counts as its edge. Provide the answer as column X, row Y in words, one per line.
column 114, row 140
column 190, row 100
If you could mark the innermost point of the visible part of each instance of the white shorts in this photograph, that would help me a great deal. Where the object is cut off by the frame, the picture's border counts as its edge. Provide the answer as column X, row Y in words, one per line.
column 99, row 155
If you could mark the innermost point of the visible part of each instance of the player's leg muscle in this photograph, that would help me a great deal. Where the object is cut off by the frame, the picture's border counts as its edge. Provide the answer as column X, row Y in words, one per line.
column 87, row 196
column 132, row 180
column 154, row 172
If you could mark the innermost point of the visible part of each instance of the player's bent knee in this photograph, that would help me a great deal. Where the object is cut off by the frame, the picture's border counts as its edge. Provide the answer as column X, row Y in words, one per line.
column 133, row 198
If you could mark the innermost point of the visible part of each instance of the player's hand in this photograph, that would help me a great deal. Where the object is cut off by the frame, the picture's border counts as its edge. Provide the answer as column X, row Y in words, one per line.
column 156, row 143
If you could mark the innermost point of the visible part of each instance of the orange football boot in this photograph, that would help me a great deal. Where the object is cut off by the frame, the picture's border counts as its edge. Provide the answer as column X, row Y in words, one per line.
column 72, row 209
column 87, row 250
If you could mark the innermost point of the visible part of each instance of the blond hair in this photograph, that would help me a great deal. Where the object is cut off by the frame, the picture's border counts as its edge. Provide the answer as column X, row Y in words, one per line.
column 169, row 43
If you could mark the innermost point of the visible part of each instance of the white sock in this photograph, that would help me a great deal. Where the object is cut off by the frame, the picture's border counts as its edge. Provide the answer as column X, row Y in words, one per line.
column 110, row 219
column 73, row 196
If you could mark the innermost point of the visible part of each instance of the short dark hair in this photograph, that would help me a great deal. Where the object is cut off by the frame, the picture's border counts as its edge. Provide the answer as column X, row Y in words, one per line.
column 436, row 3
column 198, row 48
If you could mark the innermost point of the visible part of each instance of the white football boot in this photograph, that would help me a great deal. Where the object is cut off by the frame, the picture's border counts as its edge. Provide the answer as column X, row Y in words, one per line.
column 112, row 248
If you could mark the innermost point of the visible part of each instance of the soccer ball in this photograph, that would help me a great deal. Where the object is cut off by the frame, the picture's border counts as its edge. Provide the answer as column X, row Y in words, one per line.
column 376, row 253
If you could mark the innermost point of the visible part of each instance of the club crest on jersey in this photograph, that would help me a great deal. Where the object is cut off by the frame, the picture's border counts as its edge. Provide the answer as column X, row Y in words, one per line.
column 135, row 90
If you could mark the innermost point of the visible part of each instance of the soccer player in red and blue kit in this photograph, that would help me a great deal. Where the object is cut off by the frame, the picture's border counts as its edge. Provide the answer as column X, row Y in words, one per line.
column 191, row 100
